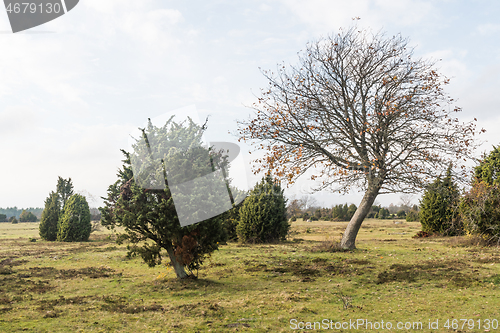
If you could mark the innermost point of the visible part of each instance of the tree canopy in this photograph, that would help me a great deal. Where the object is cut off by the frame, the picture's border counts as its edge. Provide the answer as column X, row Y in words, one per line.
column 142, row 199
column 438, row 206
column 50, row 217
column 74, row 223
column 358, row 111
column 64, row 189
column 263, row 214
column 488, row 169
column 480, row 206
column 27, row 216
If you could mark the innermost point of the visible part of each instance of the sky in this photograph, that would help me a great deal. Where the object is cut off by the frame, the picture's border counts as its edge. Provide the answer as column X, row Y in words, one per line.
column 72, row 90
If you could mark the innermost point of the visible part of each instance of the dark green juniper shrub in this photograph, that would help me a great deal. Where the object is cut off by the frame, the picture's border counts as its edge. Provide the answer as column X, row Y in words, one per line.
column 50, row 217
column 480, row 207
column 438, row 207
column 74, row 224
column 149, row 217
column 263, row 214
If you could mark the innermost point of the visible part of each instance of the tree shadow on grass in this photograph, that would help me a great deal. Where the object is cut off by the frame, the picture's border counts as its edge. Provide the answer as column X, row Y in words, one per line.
column 451, row 271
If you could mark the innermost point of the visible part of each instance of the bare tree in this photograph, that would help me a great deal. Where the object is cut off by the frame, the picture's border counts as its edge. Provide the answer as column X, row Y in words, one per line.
column 359, row 112
column 295, row 207
column 406, row 200
column 309, row 201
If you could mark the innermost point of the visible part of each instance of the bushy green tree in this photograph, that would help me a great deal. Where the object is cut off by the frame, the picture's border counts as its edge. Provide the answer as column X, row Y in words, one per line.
column 13, row 220
column 50, row 217
column 488, row 170
column 64, row 189
column 343, row 212
column 149, row 216
column 438, row 207
column 326, row 214
column 295, row 208
column 54, row 207
column 3, row 218
column 74, row 224
column 27, row 216
column 480, row 212
column 339, row 212
column 373, row 212
column 350, row 211
column 263, row 214
column 480, row 207
column 412, row 216
column 383, row 213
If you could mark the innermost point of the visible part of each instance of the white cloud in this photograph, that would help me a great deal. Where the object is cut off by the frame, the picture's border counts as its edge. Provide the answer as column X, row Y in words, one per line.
column 114, row 62
column 152, row 27
column 325, row 15
column 90, row 155
column 403, row 12
column 265, row 7
column 17, row 121
column 488, row 28
column 450, row 63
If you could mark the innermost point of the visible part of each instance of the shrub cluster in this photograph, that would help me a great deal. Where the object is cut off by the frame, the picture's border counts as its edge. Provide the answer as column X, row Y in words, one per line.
column 475, row 213
column 66, row 216
column 27, row 217
column 480, row 207
column 412, row 216
column 343, row 212
column 383, row 214
column 336, row 213
column 480, row 212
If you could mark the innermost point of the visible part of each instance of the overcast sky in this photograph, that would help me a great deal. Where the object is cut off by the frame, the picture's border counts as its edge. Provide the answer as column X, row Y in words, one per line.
column 73, row 89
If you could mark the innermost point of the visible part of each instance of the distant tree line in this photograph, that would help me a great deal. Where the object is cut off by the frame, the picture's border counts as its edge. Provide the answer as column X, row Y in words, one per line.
column 308, row 209
column 34, row 214
column 30, row 214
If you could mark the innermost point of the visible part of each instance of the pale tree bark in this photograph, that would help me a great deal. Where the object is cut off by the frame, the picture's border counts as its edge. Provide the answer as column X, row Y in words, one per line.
column 348, row 241
column 178, row 267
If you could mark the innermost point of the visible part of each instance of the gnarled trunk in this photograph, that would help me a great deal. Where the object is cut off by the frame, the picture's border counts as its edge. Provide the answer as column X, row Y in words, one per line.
column 349, row 238
column 178, row 267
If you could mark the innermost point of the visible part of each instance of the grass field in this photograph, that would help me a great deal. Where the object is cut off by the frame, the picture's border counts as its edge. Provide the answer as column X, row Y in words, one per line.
column 390, row 277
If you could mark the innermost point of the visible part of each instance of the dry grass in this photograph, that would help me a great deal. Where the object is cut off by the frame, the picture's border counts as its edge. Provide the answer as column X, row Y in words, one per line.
column 92, row 286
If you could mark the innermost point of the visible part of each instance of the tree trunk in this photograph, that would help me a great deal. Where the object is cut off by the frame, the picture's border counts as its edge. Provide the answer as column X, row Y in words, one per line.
column 349, row 238
column 178, row 267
